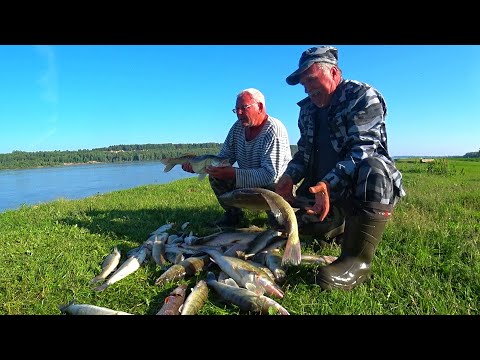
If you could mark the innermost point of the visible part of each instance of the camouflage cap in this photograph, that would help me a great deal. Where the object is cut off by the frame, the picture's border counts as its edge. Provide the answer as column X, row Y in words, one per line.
column 326, row 54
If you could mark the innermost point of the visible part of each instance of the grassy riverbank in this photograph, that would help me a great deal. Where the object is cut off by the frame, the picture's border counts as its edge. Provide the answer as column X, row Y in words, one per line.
column 428, row 261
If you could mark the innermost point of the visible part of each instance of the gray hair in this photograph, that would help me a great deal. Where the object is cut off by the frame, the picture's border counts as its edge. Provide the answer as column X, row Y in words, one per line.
column 325, row 67
column 256, row 95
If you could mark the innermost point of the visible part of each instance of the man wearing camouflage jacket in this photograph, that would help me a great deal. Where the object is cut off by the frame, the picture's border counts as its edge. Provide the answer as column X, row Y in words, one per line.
column 347, row 180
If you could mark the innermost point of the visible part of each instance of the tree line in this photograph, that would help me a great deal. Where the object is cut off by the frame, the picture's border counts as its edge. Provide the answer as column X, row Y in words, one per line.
column 110, row 154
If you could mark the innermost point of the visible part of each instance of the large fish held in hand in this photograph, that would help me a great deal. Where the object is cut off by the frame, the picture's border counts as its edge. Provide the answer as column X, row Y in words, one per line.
column 199, row 163
column 264, row 199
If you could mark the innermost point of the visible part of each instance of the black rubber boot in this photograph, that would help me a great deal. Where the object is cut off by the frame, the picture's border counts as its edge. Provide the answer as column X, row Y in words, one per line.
column 363, row 232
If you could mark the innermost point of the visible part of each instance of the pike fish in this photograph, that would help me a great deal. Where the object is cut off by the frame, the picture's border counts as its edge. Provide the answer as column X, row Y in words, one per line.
column 245, row 299
column 129, row 266
column 174, row 301
column 86, row 309
column 264, row 199
column 196, row 299
column 190, row 266
column 199, row 163
column 246, row 274
column 158, row 248
column 108, row 265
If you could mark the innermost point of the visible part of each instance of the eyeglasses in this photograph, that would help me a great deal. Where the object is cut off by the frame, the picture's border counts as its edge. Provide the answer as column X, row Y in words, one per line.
column 242, row 109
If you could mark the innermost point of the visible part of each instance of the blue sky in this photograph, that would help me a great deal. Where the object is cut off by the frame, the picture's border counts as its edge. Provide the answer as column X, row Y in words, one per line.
column 70, row 97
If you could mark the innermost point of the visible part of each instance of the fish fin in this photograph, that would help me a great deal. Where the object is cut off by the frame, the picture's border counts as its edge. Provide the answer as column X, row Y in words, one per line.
column 102, row 287
column 292, row 254
column 63, row 308
column 201, row 176
column 254, row 288
column 231, row 282
column 180, row 308
column 168, row 167
column 179, row 258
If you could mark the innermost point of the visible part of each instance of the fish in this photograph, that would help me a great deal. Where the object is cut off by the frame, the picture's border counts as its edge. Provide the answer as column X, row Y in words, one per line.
column 190, row 266
column 261, row 241
column 108, row 265
column 199, row 163
column 129, row 266
column 158, row 248
column 196, row 299
column 245, row 274
column 245, row 299
column 273, row 260
column 318, row 259
column 86, row 309
column 174, row 301
column 163, row 228
column 264, row 199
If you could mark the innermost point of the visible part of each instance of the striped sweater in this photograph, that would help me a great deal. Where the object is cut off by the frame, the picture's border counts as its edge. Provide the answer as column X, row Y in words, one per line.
column 261, row 161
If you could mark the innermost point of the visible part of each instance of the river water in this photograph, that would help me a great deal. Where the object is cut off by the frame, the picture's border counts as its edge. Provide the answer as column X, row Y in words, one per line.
column 33, row 186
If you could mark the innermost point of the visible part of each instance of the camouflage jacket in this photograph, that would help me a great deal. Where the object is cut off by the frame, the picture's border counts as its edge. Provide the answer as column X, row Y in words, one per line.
column 356, row 121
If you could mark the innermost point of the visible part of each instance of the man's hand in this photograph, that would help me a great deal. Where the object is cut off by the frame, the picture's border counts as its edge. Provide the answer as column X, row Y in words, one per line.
column 284, row 188
column 221, row 172
column 322, row 200
column 187, row 167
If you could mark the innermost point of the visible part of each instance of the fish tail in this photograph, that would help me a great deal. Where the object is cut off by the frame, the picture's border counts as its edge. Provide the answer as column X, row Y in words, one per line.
column 96, row 279
column 292, row 254
column 168, row 167
column 102, row 287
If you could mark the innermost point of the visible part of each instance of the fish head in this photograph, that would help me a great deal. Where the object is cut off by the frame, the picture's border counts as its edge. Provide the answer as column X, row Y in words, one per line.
column 246, row 198
column 270, row 287
column 221, row 162
column 199, row 163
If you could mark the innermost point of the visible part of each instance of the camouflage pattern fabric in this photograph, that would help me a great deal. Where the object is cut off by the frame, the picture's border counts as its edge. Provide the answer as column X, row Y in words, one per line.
column 356, row 120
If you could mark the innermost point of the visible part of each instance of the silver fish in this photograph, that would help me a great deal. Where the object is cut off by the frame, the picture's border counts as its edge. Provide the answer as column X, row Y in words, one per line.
column 86, row 309
column 246, row 274
column 264, row 199
column 273, row 260
column 163, row 228
column 108, row 265
column 199, row 163
column 128, row 266
column 245, row 299
column 158, row 248
column 261, row 241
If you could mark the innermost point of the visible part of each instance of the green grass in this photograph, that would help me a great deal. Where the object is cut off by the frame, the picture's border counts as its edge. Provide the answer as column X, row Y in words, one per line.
column 428, row 262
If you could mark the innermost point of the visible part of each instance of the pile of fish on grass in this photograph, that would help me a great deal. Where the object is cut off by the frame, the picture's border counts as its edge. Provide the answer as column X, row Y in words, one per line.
column 248, row 262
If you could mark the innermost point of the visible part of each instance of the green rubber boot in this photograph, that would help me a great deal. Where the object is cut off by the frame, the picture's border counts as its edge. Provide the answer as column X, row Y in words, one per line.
column 363, row 232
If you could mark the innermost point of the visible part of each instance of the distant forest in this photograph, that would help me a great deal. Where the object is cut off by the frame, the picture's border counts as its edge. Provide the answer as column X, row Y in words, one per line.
column 111, row 154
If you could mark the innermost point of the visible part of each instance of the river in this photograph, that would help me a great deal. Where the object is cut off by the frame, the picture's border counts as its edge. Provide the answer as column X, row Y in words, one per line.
column 33, row 186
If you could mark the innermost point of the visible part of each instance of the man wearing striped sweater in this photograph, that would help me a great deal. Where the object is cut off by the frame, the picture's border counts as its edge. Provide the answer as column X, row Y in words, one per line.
column 259, row 144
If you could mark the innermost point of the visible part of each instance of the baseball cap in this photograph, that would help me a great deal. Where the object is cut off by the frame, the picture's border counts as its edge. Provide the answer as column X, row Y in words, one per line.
column 326, row 54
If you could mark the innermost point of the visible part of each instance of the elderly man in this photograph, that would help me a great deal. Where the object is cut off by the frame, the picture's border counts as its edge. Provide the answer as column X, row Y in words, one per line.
column 344, row 163
column 259, row 144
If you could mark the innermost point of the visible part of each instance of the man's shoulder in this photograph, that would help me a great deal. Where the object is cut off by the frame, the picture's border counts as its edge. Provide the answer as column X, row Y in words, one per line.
column 275, row 124
column 355, row 88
